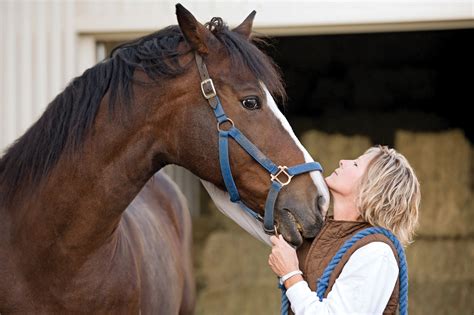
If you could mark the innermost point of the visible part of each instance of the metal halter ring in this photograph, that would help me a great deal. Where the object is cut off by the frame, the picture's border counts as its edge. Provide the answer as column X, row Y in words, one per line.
column 282, row 170
column 224, row 121
column 272, row 232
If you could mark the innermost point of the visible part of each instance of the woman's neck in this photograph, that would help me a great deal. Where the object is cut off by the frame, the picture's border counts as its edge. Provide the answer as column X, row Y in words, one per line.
column 345, row 208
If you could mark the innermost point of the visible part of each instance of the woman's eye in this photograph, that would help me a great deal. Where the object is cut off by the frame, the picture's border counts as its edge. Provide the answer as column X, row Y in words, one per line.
column 355, row 163
column 251, row 103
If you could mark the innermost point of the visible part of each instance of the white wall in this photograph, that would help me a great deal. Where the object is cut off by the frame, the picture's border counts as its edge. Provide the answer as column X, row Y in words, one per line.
column 37, row 59
column 273, row 16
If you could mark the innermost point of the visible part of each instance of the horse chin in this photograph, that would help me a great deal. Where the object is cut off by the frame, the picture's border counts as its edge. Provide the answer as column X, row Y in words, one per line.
column 292, row 235
column 291, row 229
column 294, row 230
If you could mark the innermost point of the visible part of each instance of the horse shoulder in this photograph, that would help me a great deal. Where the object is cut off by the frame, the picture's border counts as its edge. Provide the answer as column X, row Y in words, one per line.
column 157, row 227
column 164, row 191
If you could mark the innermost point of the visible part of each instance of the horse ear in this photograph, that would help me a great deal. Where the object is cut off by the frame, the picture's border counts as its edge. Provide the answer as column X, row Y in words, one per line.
column 245, row 28
column 196, row 34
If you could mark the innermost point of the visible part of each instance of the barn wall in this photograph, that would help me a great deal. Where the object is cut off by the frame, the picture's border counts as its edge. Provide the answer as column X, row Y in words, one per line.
column 274, row 16
column 37, row 59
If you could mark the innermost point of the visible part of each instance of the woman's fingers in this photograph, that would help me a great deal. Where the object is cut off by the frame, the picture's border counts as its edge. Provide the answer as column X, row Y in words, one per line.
column 270, row 260
column 274, row 239
column 282, row 258
column 278, row 240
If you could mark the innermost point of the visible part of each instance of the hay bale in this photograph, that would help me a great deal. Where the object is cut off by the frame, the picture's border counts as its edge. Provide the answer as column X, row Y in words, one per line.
column 442, row 162
column 472, row 170
column 328, row 149
column 229, row 254
column 441, row 260
column 210, row 221
column 441, row 297
column 253, row 299
column 234, row 270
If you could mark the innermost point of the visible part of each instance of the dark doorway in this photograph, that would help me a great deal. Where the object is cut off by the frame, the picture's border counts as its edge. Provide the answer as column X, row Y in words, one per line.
column 373, row 84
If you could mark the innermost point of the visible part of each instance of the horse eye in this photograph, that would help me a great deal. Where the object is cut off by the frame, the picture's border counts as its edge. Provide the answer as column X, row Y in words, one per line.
column 251, row 103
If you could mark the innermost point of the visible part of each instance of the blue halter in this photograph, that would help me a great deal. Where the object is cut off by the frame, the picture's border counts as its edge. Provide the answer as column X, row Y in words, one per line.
column 209, row 92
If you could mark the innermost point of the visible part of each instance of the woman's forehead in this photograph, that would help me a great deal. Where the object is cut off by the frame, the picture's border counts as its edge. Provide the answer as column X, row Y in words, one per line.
column 367, row 157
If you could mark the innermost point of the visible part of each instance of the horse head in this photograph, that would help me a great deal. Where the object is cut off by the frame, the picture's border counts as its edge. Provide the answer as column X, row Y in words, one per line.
column 244, row 80
column 214, row 113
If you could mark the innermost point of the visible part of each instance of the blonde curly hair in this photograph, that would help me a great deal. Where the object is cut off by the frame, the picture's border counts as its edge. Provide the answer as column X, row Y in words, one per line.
column 389, row 193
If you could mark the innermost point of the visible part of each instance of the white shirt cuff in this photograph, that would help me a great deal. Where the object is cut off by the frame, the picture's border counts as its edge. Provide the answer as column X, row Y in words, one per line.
column 300, row 295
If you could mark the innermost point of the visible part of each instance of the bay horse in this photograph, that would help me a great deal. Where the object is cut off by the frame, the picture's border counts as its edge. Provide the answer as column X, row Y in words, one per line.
column 89, row 225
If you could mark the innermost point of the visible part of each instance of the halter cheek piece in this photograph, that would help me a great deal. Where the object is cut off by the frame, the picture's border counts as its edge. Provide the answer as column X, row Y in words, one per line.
column 209, row 93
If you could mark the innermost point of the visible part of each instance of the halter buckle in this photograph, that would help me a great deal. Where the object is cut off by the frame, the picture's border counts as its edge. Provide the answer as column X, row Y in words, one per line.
column 208, row 89
column 282, row 170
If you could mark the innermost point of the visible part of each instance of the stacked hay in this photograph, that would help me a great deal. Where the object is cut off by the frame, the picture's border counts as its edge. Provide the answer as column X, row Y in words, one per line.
column 238, row 279
column 233, row 274
column 442, row 162
column 441, row 276
column 441, row 259
column 329, row 149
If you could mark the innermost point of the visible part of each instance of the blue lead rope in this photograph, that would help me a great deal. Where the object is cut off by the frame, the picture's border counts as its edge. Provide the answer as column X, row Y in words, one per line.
column 323, row 282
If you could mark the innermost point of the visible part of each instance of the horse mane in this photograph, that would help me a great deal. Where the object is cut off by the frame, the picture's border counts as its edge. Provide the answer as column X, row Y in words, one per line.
column 64, row 125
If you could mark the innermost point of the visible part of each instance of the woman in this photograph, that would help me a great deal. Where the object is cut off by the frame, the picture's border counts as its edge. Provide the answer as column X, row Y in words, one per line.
column 378, row 189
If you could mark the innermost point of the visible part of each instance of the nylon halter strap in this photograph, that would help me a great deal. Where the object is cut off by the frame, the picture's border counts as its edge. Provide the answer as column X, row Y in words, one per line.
column 209, row 92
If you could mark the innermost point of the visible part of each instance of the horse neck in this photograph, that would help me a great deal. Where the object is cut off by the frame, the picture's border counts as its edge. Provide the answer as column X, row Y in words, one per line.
column 79, row 206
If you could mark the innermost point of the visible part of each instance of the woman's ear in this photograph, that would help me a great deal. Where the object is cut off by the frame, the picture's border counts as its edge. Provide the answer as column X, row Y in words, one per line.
column 196, row 34
column 245, row 28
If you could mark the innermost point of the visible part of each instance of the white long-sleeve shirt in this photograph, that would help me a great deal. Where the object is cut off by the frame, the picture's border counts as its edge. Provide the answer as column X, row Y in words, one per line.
column 363, row 287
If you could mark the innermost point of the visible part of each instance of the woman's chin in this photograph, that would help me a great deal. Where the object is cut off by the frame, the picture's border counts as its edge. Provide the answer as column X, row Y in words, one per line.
column 329, row 180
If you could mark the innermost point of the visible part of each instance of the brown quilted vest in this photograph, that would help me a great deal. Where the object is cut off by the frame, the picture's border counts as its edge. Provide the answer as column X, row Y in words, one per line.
column 314, row 255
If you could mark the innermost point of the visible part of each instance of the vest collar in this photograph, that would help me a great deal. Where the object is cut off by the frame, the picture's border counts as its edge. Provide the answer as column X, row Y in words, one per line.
column 340, row 228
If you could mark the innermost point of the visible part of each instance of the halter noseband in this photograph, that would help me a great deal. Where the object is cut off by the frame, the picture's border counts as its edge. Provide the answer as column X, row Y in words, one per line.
column 209, row 93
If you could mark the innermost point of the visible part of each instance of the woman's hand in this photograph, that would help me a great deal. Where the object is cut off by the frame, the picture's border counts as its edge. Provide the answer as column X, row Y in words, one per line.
column 283, row 257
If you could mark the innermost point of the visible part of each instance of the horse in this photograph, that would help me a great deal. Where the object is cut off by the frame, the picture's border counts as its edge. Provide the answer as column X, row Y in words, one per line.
column 89, row 225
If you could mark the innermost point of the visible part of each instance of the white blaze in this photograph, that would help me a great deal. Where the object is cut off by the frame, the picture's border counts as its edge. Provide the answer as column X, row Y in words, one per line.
column 240, row 216
column 316, row 176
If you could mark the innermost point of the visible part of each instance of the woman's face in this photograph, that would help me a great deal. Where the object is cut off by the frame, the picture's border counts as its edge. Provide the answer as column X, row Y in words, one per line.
column 345, row 179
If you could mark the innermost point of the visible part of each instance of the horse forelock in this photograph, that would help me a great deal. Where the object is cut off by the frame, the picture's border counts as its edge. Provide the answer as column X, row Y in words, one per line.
column 246, row 53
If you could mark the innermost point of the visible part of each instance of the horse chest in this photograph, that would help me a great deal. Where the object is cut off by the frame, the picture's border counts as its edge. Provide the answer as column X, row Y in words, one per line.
column 143, row 268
